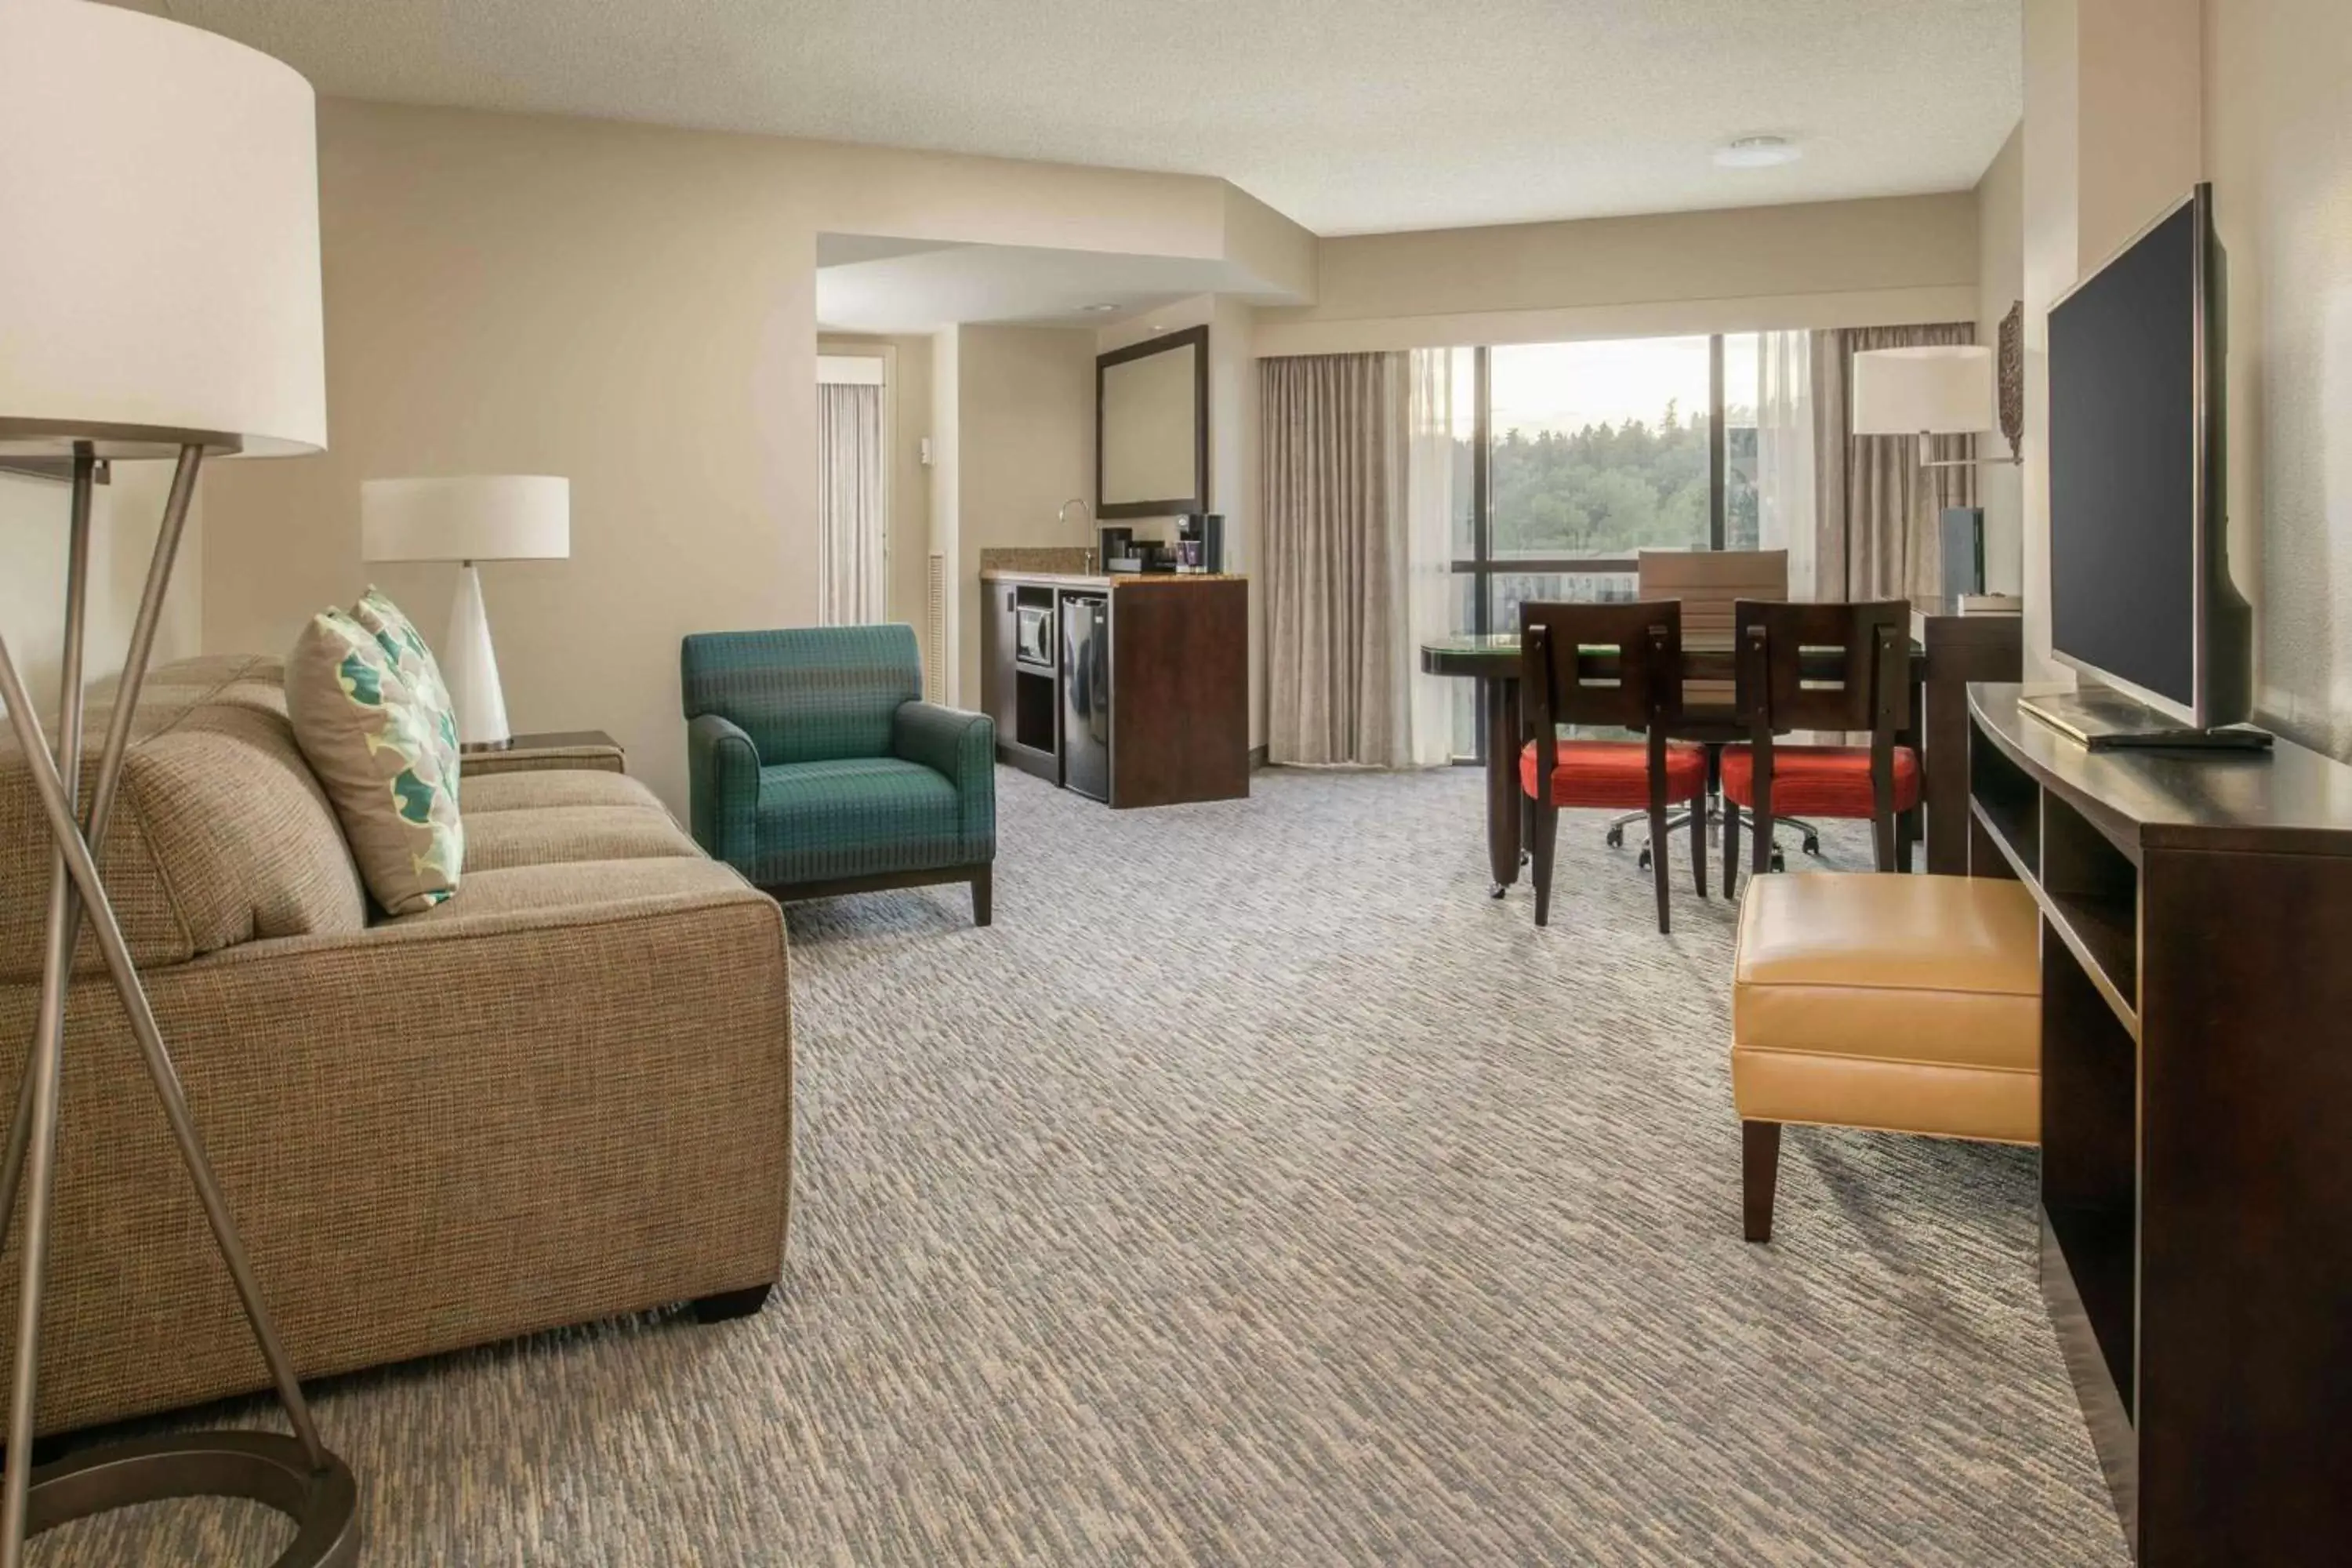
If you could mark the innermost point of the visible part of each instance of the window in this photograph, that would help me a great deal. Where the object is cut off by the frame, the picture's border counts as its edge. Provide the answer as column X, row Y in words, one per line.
column 1583, row 455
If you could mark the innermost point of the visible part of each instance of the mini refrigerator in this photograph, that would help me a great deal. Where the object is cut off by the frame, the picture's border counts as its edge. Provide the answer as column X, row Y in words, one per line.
column 1085, row 695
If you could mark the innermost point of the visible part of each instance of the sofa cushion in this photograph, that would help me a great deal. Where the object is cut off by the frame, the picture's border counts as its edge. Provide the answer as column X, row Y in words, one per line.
column 820, row 821
column 532, row 789
column 561, row 835
column 559, row 893
column 221, row 832
column 388, row 767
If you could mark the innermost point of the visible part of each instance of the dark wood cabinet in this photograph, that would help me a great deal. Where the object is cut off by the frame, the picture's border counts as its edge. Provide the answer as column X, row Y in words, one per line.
column 1177, row 673
column 2197, row 1121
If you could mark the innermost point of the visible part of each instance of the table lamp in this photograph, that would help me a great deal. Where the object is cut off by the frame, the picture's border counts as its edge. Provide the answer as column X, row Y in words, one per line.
column 159, row 298
column 1926, row 390
column 504, row 517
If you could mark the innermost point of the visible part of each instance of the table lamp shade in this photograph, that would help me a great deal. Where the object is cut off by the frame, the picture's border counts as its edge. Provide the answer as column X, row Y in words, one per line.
column 504, row 517
column 1943, row 389
column 159, row 240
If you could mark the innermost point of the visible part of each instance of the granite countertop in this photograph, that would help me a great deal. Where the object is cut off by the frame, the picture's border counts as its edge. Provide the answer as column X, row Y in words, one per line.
column 1065, row 566
column 1100, row 579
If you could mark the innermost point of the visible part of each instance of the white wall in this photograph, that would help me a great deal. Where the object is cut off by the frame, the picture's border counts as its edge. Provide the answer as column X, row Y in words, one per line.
column 2112, row 138
column 634, row 308
column 123, row 519
column 1233, row 447
column 946, row 374
column 1025, row 444
column 2278, row 146
column 1897, row 260
column 2001, row 283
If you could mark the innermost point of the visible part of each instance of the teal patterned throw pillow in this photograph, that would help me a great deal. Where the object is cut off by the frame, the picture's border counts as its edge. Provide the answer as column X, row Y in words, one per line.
column 387, row 759
column 404, row 646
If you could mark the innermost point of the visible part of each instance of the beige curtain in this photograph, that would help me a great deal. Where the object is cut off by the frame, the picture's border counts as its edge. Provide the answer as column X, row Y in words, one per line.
column 1880, row 511
column 1334, row 497
column 850, row 523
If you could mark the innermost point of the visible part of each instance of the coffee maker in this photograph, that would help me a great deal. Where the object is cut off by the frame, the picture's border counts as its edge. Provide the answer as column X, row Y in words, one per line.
column 1117, row 548
column 1201, row 542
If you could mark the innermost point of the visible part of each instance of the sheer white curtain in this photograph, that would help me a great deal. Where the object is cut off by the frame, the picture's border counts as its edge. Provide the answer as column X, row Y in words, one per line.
column 1430, row 503
column 1788, row 508
column 850, row 521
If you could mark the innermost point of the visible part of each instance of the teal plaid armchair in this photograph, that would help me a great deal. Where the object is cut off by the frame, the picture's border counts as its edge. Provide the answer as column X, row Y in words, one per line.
column 816, row 768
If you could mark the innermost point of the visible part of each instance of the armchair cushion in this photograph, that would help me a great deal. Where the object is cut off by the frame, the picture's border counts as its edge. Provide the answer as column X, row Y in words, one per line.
column 807, row 694
column 858, row 816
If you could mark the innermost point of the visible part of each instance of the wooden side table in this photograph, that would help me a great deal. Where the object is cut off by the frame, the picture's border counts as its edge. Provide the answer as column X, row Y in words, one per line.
column 549, row 751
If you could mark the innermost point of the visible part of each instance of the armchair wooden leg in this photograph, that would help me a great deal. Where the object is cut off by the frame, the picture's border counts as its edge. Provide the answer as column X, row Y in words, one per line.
column 983, row 894
column 1759, row 1176
column 1546, row 835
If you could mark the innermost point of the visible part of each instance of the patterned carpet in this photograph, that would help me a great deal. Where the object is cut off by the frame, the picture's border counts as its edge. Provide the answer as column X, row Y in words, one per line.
column 1258, row 1192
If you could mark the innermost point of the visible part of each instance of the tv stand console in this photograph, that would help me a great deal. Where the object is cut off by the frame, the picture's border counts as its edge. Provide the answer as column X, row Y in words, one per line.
column 2196, row 1120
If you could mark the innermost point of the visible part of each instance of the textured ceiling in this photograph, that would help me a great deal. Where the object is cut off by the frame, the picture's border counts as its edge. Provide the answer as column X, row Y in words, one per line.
column 1347, row 115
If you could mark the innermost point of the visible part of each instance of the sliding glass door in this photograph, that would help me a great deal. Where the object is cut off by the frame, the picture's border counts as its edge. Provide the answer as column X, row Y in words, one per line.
column 1582, row 455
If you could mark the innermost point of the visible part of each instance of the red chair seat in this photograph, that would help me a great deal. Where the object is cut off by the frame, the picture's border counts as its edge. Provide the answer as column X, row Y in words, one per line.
column 1615, row 773
column 1818, row 781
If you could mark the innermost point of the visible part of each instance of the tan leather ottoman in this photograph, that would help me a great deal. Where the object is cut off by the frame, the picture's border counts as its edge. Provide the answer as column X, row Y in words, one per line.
column 1901, row 1004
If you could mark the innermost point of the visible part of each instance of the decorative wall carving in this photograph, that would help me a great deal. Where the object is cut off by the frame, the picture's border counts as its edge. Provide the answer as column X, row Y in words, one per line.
column 2009, row 367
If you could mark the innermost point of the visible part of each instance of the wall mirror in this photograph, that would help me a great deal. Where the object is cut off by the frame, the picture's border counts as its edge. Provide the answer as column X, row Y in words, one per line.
column 1152, row 427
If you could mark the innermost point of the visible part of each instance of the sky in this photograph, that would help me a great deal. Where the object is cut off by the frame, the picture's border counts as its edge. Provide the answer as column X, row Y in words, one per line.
column 1566, row 387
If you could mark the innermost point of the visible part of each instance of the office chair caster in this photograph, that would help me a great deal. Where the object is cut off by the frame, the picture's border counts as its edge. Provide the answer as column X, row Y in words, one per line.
column 1813, row 846
column 1643, row 861
column 1780, row 860
column 1615, row 840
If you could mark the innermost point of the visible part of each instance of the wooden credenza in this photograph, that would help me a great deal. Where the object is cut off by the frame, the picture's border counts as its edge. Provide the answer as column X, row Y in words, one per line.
column 2197, row 1121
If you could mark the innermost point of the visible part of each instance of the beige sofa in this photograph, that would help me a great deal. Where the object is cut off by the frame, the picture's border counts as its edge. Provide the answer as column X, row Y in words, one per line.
column 566, row 1093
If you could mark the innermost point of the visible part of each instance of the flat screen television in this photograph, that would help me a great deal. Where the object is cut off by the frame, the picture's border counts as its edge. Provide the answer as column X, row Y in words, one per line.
column 2140, row 596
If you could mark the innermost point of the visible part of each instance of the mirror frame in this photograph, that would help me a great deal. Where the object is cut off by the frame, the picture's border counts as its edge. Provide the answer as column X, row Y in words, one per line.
column 1197, row 340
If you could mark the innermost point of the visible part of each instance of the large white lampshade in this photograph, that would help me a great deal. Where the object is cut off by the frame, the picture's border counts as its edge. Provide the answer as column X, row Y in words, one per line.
column 1943, row 389
column 487, row 516
column 159, row 240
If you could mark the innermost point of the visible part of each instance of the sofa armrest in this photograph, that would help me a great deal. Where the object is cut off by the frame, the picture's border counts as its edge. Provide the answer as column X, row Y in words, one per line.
column 962, row 747
column 722, row 769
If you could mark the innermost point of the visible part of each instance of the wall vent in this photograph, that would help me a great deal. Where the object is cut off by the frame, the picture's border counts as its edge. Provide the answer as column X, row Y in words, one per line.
column 935, row 628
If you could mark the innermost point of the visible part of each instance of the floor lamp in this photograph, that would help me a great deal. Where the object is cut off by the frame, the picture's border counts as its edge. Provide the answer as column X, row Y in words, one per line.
column 159, row 298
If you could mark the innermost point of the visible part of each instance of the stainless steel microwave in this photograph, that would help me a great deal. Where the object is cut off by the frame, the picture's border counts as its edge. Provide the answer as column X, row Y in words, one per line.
column 1034, row 643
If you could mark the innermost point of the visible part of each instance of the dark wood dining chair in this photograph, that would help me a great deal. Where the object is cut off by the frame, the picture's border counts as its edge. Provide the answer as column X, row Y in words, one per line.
column 1825, row 667
column 1612, row 666
column 1710, row 584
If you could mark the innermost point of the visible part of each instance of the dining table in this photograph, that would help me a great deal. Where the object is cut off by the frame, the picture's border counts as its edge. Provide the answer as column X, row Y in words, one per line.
column 1949, row 650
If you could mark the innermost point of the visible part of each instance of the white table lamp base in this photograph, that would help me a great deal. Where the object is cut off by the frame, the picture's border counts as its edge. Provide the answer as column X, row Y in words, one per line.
column 470, row 667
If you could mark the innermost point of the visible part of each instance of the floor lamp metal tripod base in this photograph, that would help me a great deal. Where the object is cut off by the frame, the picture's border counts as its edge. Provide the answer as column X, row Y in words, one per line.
column 293, row 1474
